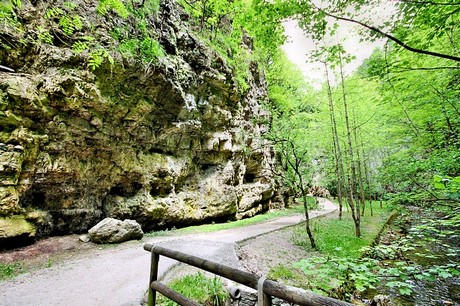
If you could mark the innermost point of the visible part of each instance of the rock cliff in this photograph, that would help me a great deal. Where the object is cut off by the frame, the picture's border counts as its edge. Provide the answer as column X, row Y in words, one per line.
column 167, row 143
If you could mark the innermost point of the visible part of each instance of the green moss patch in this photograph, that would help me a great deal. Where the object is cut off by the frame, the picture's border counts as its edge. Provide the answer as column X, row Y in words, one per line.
column 15, row 226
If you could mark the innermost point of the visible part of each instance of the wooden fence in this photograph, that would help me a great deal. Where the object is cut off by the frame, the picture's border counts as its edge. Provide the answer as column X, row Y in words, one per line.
column 266, row 288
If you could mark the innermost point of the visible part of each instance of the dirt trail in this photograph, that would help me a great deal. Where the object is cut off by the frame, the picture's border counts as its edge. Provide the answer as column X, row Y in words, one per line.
column 119, row 276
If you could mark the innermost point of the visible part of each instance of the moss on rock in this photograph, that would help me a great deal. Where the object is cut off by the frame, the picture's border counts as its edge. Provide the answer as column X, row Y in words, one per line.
column 15, row 231
column 166, row 143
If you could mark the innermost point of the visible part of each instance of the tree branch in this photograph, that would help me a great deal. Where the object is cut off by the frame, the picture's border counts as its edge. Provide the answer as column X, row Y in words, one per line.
column 405, row 69
column 430, row 2
column 391, row 37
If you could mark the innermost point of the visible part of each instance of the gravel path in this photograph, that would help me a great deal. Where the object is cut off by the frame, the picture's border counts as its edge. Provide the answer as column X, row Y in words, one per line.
column 119, row 276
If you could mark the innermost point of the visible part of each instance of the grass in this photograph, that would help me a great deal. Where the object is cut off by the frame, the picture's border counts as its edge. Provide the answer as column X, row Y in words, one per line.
column 327, row 270
column 231, row 224
column 337, row 237
column 199, row 288
column 10, row 270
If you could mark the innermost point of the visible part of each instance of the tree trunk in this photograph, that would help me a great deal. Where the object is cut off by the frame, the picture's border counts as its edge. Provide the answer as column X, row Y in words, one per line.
column 366, row 177
column 296, row 167
column 352, row 178
column 339, row 171
column 307, row 222
column 360, row 175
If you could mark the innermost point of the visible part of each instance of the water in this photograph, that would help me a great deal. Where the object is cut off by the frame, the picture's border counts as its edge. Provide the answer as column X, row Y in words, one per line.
column 436, row 242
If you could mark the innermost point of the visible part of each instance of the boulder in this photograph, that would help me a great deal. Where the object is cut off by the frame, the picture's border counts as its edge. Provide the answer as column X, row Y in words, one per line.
column 112, row 230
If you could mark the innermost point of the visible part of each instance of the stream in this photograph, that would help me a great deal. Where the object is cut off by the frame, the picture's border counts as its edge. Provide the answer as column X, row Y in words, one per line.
column 425, row 246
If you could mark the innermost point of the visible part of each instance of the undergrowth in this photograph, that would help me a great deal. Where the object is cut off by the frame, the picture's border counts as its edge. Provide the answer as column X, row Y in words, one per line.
column 66, row 25
column 10, row 270
column 346, row 265
column 199, row 288
column 327, row 271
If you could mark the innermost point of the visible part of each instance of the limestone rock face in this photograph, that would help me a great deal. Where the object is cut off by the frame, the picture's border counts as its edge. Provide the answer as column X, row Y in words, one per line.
column 111, row 230
column 170, row 145
column 15, row 230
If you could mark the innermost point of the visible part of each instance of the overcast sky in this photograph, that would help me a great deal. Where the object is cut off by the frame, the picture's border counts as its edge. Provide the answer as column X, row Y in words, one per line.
column 298, row 47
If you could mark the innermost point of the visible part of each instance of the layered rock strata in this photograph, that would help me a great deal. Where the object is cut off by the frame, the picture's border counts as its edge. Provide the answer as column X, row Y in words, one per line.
column 166, row 144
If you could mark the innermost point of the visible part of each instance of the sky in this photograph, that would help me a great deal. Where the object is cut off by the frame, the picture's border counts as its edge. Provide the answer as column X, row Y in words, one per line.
column 298, row 46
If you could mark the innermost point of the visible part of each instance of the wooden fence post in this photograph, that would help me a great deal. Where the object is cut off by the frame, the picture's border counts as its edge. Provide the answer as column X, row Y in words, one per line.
column 262, row 298
column 266, row 287
column 151, row 301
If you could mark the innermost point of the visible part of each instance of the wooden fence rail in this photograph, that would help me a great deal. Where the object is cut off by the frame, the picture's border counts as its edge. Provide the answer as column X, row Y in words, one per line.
column 266, row 288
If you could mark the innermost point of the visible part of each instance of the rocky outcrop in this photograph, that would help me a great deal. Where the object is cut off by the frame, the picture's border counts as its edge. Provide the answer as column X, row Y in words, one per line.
column 15, row 231
column 111, row 230
column 166, row 144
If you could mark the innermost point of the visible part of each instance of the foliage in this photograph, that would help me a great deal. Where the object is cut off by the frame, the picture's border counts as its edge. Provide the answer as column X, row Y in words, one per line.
column 79, row 47
column 392, row 251
column 201, row 289
column 116, row 5
column 7, row 7
column 65, row 25
column 405, row 107
column 10, row 270
column 328, row 274
column 450, row 186
column 97, row 57
column 288, row 92
column 397, row 265
column 241, row 32
column 432, row 20
column 44, row 36
column 129, row 48
column 291, row 106
column 69, row 23
column 8, row 17
column 150, row 50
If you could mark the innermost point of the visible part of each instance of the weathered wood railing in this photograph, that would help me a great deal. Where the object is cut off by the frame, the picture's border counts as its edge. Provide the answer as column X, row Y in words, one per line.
column 266, row 288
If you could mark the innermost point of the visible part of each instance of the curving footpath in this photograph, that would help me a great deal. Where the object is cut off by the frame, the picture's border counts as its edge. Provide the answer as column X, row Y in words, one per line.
column 120, row 276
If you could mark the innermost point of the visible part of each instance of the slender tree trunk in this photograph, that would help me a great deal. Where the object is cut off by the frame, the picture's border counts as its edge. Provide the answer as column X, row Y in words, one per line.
column 352, row 177
column 370, row 206
column 339, row 180
column 360, row 175
column 295, row 166
column 307, row 220
column 339, row 172
column 304, row 193
column 366, row 176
